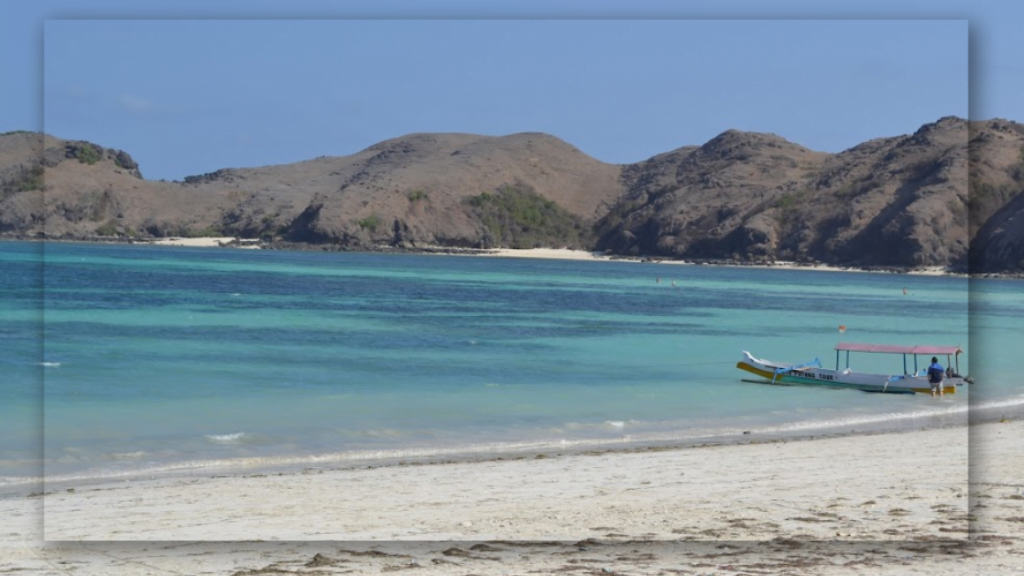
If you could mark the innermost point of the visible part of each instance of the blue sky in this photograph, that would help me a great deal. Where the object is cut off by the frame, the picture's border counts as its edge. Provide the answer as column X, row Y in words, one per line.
column 190, row 87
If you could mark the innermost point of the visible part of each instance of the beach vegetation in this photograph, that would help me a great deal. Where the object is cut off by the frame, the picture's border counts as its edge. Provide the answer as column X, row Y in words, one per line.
column 417, row 195
column 516, row 216
column 371, row 223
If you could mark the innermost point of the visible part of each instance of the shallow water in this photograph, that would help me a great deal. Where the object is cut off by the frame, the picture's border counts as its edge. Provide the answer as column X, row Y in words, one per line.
column 161, row 359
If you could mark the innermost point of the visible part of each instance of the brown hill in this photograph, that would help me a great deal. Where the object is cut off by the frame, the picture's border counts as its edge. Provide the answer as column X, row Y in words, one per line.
column 897, row 201
column 420, row 189
column 413, row 190
column 893, row 201
column 999, row 244
column 690, row 202
column 996, row 168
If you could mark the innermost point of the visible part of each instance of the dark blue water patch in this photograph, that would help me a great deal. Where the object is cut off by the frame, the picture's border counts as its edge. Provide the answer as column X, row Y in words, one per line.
column 420, row 333
column 19, row 330
column 980, row 307
column 467, row 265
column 17, row 273
column 531, row 293
column 364, row 295
column 21, row 286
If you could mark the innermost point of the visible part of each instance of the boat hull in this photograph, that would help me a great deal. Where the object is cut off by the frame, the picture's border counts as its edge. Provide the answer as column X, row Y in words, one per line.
column 779, row 374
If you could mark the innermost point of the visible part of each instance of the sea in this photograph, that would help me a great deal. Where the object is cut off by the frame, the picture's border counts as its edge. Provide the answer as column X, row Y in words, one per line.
column 122, row 361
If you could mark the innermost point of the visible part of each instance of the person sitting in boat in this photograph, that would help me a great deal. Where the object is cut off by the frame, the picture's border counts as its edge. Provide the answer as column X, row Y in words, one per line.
column 935, row 374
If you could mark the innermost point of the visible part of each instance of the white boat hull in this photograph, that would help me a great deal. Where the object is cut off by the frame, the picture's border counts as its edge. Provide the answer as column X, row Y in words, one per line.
column 777, row 373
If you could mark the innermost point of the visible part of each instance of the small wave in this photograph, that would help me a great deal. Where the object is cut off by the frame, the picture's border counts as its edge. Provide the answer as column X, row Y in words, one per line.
column 225, row 438
column 127, row 455
column 597, row 426
column 472, row 342
column 1012, row 402
column 380, row 433
column 874, row 419
column 50, row 364
column 18, row 481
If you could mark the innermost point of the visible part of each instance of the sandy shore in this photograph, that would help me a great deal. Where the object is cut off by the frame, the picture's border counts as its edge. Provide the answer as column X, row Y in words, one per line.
column 547, row 254
column 874, row 504
column 566, row 254
column 207, row 242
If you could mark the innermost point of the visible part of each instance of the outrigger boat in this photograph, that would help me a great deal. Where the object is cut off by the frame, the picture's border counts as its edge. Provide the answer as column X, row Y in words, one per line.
column 812, row 374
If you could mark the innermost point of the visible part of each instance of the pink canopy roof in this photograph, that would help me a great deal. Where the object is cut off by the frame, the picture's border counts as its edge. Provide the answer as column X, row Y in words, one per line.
column 891, row 349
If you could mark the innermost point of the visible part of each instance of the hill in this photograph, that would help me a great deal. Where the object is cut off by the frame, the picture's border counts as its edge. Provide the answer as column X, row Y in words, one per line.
column 901, row 201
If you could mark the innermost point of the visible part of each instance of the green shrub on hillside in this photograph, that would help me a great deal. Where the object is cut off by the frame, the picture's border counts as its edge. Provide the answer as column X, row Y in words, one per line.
column 88, row 153
column 31, row 181
column 214, row 231
column 517, row 217
column 786, row 201
column 370, row 223
column 107, row 229
column 26, row 181
column 1017, row 172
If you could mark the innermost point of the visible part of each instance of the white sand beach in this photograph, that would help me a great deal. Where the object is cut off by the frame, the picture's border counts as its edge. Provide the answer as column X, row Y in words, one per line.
column 867, row 504
column 567, row 254
column 545, row 254
column 207, row 242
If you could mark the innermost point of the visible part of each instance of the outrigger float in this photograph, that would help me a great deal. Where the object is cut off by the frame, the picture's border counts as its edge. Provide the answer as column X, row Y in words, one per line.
column 812, row 374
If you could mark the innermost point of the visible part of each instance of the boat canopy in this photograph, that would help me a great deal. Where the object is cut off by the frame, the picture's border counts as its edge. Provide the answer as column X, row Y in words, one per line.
column 892, row 349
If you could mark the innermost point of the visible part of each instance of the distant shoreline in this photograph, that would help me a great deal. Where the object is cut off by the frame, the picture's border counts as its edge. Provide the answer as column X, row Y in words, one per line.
column 536, row 253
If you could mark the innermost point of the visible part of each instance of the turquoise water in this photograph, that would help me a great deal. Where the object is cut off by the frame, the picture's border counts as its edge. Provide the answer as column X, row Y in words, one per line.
column 159, row 360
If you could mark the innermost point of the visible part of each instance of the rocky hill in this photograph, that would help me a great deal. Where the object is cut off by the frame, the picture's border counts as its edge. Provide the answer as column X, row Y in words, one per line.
column 901, row 201
column 999, row 245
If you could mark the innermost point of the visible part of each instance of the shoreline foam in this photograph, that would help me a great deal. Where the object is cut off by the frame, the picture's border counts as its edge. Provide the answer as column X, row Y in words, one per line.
column 561, row 496
column 894, row 505
column 941, row 417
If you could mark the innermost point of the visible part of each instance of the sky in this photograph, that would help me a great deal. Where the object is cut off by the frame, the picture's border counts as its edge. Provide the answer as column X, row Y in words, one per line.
column 192, row 87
